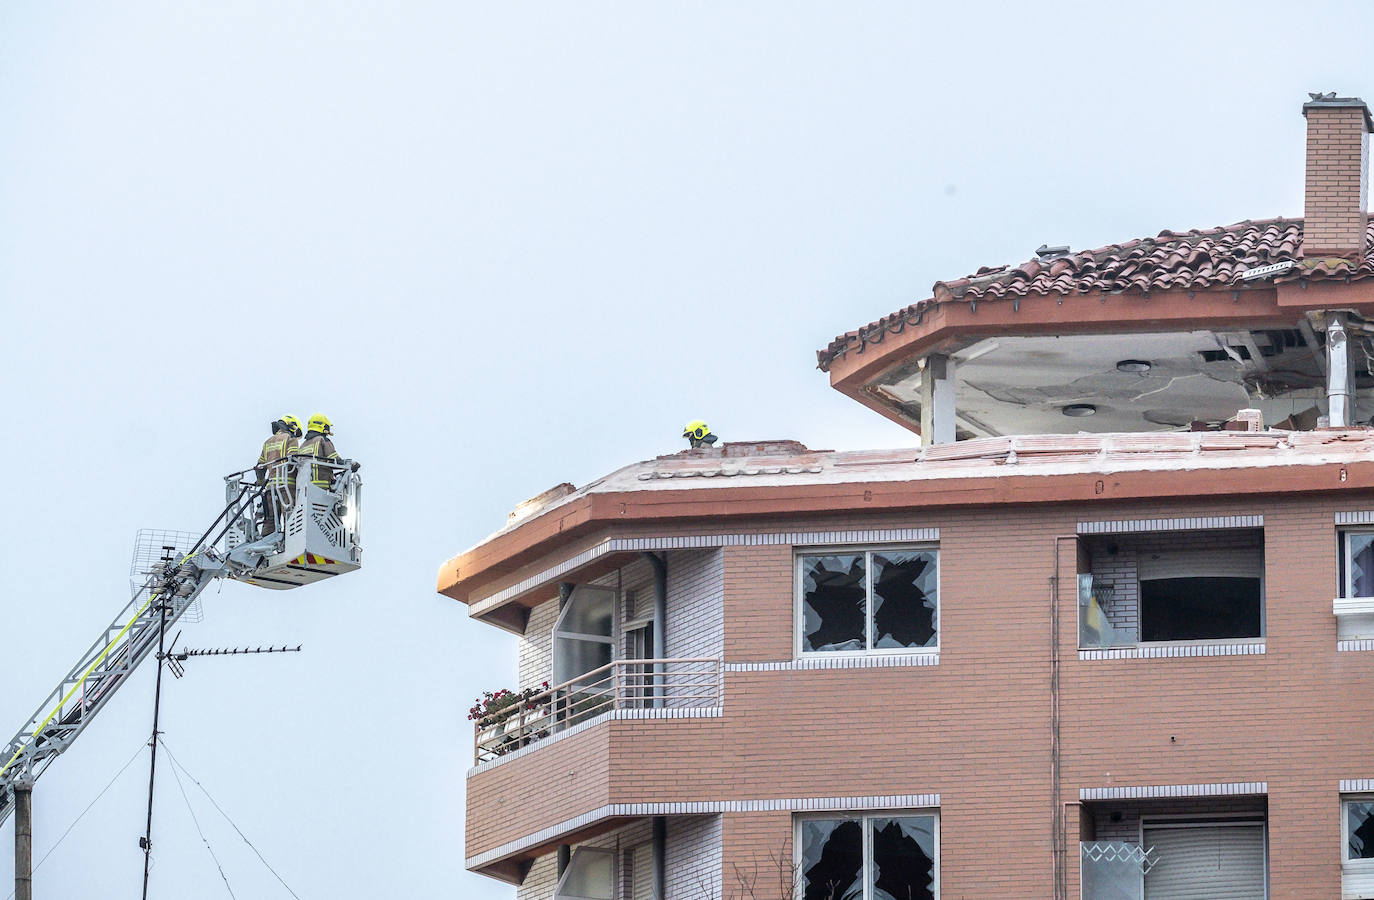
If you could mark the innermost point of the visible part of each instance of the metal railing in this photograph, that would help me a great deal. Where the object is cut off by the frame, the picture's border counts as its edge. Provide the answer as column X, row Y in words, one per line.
column 624, row 684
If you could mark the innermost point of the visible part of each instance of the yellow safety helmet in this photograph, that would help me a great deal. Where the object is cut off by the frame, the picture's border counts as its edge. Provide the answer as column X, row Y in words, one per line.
column 695, row 430
column 320, row 422
column 698, row 434
column 292, row 424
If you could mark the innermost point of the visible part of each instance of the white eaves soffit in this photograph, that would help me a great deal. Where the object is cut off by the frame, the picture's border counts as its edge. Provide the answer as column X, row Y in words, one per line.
column 1021, row 384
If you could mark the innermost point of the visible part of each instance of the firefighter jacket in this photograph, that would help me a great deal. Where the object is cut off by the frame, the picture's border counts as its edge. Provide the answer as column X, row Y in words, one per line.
column 275, row 449
column 320, row 447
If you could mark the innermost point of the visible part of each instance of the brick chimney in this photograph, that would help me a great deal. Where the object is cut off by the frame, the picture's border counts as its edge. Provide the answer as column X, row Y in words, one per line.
column 1337, row 184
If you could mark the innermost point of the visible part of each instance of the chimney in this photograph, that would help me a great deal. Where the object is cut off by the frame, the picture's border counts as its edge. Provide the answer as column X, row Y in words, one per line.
column 1337, row 183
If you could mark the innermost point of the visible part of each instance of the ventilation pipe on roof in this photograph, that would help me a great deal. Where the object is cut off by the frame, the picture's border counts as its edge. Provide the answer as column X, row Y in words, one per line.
column 1337, row 182
column 1340, row 375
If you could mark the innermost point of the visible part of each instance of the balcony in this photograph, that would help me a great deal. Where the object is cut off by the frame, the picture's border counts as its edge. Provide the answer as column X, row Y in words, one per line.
column 649, row 687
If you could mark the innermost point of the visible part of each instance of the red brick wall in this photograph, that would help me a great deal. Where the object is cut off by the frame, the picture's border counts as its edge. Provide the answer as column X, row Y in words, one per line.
column 1336, row 182
column 976, row 728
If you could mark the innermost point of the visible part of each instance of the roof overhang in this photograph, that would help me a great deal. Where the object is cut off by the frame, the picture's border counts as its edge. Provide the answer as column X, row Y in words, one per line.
column 880, row 368
column 529, row 553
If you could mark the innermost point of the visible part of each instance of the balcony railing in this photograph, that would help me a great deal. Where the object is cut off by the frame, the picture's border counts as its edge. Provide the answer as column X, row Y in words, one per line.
column 624, row 684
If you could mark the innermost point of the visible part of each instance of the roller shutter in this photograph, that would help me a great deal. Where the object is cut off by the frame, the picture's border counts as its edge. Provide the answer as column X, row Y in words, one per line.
column 1237, row 563
column 1224, row 862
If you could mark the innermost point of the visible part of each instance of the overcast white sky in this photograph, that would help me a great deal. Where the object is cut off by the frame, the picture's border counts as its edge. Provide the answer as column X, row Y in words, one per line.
column 502, row 245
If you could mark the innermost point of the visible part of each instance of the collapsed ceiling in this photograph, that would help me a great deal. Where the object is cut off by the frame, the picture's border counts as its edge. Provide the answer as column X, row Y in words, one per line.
column 1135, row 382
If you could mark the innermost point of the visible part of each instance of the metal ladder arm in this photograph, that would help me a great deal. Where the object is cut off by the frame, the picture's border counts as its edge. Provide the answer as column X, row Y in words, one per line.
column 109, row 662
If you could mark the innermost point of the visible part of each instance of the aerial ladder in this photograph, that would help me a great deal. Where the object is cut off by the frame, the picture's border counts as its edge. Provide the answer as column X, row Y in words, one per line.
column 316, row 506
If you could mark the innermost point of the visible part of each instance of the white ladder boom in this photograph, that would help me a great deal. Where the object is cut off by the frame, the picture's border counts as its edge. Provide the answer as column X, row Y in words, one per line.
column 172, row 585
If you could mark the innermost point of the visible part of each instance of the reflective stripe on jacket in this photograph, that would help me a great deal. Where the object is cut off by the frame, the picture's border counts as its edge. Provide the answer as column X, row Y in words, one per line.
column 275, row 449
column 320, row 447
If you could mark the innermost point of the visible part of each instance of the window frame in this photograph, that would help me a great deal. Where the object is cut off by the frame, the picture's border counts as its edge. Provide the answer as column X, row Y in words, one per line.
column 558, row 634
column 588, row 851
column 865, row 818
column 1254, row 638
column 1353, row 865
column 799, row 617
column 1139, row 642
column 1345, row 588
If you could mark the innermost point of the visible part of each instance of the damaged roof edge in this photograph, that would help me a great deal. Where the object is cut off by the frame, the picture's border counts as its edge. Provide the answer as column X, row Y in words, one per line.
column 1199, row 259
column 993, row 471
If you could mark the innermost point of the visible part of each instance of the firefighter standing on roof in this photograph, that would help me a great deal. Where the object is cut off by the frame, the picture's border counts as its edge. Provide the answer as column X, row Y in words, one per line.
column 318, row 445
column 698, row 434
column 286, row 432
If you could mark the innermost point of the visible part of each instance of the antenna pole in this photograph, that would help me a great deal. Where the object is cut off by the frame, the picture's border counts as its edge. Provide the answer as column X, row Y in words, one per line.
column 23, row 840
column 147, row 840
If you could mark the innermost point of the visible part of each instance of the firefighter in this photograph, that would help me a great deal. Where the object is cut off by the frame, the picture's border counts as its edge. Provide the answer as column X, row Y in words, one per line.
column 286, row 433
column 698, row 434
column 319, row 446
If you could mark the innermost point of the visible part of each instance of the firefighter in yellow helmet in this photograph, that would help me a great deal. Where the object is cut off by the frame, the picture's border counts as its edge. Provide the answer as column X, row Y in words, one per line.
column 698, row 434
column 318, row 445
column 286, row 433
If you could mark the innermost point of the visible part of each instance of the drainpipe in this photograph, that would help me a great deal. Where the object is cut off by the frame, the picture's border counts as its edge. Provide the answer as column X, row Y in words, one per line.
column 660, row 564
column 564, row 855
column 660, row 857
column 1058, row 832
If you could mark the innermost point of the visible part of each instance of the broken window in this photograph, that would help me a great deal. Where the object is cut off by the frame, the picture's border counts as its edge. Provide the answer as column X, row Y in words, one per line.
column 888, row 857
column 869, row 600
column 1357, row 860
column 1359, row 829
column 832, row 859
column 1172, row 586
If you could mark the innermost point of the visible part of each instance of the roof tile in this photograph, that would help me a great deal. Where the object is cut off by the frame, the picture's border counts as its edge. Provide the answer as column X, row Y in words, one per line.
column 1194, row 260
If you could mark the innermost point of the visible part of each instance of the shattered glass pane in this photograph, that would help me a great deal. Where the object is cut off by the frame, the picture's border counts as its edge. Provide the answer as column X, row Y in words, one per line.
column 1362, row 565
column 1359, row 817
column 904, row 599
column 1094, row 628
column 903, row 859
column 833, row 602
column 832, row 859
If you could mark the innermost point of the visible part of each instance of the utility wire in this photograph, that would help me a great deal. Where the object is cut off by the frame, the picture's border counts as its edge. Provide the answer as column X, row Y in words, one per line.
column 199, row 831
column 141, row 746
column 177, row 764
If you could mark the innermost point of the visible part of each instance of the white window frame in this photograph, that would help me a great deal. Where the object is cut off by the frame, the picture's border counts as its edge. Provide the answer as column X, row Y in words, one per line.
column 1347, row 569
column 865, row 819
column 799, row 618
column 1353, row 865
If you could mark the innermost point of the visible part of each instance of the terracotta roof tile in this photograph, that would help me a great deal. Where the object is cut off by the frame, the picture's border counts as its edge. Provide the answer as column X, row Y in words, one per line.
column 1189, row 260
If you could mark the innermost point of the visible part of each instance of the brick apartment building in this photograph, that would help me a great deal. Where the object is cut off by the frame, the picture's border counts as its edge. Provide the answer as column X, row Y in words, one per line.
column 1104, row 634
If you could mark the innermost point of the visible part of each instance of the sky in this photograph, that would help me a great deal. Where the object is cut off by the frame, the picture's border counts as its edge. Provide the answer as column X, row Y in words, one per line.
column 502, row 246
